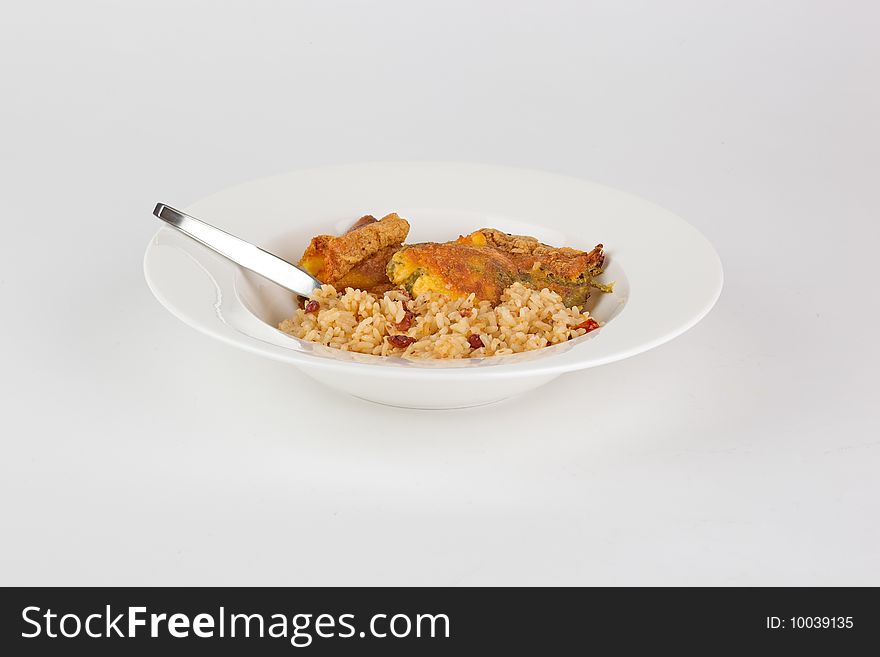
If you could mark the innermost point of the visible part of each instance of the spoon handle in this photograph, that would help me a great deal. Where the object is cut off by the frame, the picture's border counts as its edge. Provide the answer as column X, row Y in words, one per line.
column 251, row 257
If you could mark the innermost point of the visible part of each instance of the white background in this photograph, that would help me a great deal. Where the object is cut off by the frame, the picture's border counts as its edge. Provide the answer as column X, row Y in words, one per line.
column 136, row 451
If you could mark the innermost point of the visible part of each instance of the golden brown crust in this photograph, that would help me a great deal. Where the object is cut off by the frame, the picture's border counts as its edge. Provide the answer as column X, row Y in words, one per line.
column 370, row 256
column 527, row 252
column 455, row 269
column 330, row 258
column 488, row 260
column 505, row 241
column 370, row 274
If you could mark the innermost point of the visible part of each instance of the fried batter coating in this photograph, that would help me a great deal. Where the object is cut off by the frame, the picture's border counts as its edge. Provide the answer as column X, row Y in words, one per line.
column 360, row 256
column 489, row 260
column 369, row 275
column 563, row 262
column 452, row 269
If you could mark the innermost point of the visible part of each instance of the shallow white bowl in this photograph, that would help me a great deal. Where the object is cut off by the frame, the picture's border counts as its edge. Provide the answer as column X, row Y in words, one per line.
column 667, row 276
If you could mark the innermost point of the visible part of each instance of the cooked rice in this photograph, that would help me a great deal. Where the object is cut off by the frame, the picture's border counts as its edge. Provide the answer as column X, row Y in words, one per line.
column 358, row 321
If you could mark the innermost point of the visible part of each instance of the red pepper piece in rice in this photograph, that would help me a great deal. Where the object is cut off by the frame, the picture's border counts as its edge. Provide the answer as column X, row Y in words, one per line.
column 475, row 341
column 400, row 341
column 405, row 323
column 589, row 324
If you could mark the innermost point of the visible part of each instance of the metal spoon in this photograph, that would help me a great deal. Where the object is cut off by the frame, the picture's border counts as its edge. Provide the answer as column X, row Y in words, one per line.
column 251, row 257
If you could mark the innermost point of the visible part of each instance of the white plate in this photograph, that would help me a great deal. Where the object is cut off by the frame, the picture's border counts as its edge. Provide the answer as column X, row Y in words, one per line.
column 667, row 275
